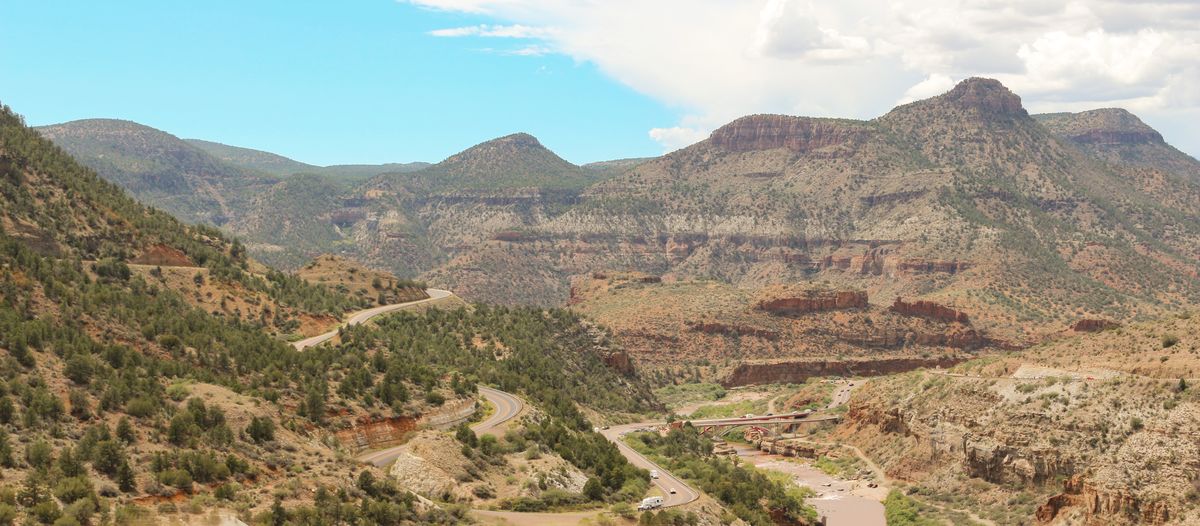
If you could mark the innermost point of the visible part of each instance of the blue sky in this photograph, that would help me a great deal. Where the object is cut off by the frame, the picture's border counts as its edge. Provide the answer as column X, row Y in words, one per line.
column 401, row 80
column 321, row 82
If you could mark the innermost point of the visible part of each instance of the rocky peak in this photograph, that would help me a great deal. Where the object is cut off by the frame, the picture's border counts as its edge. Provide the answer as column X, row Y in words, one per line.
column 1105, row 126
column 513, row 147
column 799, row 134
column 988, row 96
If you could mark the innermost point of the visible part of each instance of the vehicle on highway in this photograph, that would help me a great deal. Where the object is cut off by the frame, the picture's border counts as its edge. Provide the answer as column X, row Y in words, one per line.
column 654, row 473
column 748, row 415
column 650, row 503
column 672, row 490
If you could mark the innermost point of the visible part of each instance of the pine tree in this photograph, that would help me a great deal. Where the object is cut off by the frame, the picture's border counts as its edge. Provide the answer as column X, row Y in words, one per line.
column 126, row 480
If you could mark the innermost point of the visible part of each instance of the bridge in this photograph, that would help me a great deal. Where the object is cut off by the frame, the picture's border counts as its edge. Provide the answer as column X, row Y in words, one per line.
column 757, row 427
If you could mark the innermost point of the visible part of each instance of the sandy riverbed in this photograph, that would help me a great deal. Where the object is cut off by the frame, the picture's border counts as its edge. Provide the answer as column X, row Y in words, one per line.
column 842, row 502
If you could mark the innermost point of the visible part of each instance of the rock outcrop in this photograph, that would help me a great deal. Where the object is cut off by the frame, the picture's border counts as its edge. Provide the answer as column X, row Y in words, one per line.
column 930, row 310
column 798, row 134
column 1093, row 325
column 165, row 256
column 807, row 301
column 1100, row 506
column 988, row 96
column 619, row 361
column 1105, row 126
column 800, row 371
column 955, row 336
column 929, row 267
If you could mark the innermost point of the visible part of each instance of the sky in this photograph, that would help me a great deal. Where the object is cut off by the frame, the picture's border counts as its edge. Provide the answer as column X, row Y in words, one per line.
column 369, row 81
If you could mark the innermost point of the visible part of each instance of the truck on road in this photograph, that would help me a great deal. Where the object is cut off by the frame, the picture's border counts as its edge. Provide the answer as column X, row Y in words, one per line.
column 650, row 503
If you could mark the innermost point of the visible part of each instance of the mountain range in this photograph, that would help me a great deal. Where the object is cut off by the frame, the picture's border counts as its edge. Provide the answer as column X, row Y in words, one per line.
column 1027, row 221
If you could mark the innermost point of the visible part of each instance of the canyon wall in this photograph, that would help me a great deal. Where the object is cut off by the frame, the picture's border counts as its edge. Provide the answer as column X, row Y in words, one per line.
column 930, row 310
column 800, row 371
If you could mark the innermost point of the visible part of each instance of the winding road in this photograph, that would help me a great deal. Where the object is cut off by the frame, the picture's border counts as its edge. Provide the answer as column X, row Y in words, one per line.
column 363, row 315
column 665, row 481
column 507, row 408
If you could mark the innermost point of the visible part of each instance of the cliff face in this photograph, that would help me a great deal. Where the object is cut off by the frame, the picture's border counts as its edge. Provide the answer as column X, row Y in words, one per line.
column 1093, row 325
column 798, row 372
column 798, row 134
column 1101, row 507
column 930, row 310
column 1072, row 432
column 814, row 301
column 1108, row 126
column 987, row 96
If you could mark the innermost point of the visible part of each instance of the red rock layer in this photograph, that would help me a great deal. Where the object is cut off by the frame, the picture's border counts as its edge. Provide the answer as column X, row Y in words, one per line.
column 929, row 310
column 1093, row 325
column 815, row 301
column 799, row 372
column 164, row 256
column 799, row 134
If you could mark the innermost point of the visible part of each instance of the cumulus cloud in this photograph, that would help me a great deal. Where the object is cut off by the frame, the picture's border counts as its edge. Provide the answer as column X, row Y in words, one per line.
column 717, row 60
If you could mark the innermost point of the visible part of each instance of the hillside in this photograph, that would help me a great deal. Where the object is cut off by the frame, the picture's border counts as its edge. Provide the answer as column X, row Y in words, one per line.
column 251, row 159
column 159, row 168
column 124, row 395
column 711, row 331
column 1093, row 429
column 278, row 165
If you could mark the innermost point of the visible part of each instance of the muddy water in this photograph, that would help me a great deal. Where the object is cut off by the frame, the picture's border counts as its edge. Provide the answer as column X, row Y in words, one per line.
column 842, row 502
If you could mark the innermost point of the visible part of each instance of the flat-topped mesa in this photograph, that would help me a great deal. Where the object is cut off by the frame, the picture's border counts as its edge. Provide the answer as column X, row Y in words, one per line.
column 1105, row 126
column 798, row 134
column 791, row 302
column 930, row 310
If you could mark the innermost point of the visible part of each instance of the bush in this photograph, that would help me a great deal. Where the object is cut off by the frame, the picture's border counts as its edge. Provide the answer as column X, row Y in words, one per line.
column 261, row 430
column 1169, row 340
column 73, row 488
column 177, row 478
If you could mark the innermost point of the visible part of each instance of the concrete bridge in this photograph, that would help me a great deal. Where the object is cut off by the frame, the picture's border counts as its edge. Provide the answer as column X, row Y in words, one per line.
column 757, row 427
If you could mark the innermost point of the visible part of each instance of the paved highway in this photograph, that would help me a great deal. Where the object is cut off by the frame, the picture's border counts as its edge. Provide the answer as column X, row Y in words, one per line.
column 507, row 408
column 665, row 481
column 363, row 315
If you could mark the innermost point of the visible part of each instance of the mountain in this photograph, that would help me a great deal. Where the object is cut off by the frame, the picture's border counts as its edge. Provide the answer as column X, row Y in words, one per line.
column 143, row 365
column 278, row 165
column 1026, row 222
column 249, row 159
column 159, row 168
column 510, row 163
column 963, row 199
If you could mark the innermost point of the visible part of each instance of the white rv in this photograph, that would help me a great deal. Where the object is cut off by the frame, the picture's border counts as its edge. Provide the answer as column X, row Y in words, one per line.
column 650, row 503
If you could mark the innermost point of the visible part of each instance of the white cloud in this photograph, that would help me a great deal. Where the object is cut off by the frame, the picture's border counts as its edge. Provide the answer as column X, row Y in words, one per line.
column 495, row 31
column 717, row 60
column 677, row 137
column 932, row 85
